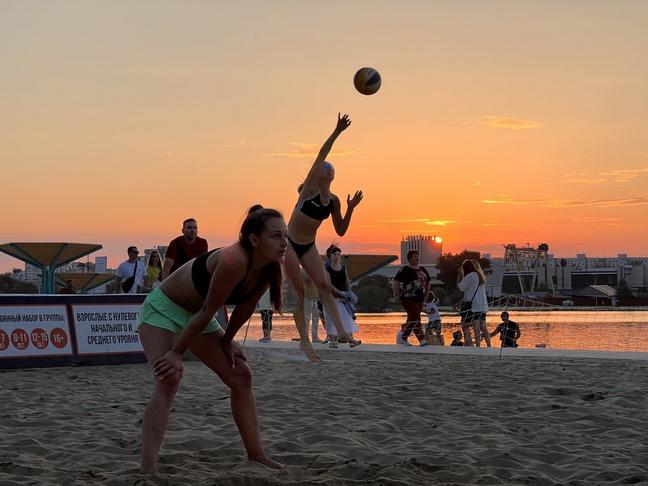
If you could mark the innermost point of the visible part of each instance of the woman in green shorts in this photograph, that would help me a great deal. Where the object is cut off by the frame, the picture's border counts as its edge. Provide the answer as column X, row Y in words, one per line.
column 178, row 316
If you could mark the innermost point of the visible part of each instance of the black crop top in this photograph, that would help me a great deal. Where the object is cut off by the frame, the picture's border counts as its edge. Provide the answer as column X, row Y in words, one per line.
column 201, row 279
column 314, row 208
column 338, row 278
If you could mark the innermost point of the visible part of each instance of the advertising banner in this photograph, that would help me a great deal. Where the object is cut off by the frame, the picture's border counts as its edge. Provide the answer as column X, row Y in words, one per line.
column 35, row 330
column 107, row 328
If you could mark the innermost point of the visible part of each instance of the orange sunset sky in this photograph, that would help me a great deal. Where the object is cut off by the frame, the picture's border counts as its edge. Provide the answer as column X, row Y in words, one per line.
column 497, row 122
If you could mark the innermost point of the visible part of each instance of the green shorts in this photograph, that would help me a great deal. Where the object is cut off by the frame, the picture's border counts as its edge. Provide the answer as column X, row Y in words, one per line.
column 160, row 311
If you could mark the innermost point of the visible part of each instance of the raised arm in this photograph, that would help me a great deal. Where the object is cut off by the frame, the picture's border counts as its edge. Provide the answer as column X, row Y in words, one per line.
column 460, row 277
column 342, row 124
column 340, row 223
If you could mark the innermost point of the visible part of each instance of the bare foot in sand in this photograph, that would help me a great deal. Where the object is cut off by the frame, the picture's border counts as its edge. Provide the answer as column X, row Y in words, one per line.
column 266, row 461
column 308, row 350
column 148, row 469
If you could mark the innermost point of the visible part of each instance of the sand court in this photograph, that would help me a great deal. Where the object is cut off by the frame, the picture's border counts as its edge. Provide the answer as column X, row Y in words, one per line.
column 360, row 417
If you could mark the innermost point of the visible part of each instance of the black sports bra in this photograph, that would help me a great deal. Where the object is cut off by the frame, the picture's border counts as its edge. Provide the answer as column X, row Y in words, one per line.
column 201, row 279
column 315, row 209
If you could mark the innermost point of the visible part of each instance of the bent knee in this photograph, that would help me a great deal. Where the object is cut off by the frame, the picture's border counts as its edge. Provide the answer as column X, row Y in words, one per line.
column 170, row 385
column 241, row 376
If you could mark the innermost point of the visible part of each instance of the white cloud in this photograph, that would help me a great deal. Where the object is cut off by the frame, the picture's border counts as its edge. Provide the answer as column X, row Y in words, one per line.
column 309, row 150
column 508, row 122
column 616, row 176
column 431, row 222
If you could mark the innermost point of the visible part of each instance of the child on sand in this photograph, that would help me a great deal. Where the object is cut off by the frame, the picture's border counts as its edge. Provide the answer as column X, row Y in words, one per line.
column 433, row 327
column 508, row 330
column 456, row 341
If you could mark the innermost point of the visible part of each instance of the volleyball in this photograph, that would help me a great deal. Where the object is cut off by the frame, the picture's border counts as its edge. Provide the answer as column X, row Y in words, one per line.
column 367, row 80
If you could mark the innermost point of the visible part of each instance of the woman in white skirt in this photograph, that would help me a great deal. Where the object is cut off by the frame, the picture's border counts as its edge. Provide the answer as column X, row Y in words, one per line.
column 345, row 300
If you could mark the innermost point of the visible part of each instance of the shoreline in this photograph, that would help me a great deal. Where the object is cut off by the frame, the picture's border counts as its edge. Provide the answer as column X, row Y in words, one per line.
column 458, row 350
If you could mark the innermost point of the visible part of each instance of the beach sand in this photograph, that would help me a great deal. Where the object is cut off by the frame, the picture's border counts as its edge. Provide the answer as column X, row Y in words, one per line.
column 357, row 418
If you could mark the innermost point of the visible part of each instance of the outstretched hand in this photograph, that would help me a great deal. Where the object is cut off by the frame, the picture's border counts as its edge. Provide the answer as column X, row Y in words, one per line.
column 342, row 123
column 352, row 202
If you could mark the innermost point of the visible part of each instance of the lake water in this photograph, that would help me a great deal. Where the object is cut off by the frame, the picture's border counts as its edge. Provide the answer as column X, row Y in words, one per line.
column 605, row 330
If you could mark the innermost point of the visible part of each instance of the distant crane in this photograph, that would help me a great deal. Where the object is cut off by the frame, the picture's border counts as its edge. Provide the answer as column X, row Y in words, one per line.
column 527, row 258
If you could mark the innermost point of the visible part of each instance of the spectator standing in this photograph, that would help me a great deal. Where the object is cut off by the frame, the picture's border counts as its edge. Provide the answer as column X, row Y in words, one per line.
column 266, row 310
column 154, row 269
column 471, row 280
column 344, row 298
column 131, row 274
column 183, row 248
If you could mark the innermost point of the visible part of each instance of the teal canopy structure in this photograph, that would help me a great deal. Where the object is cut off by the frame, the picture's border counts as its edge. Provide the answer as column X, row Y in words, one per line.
column 48, row 257
column 85, row 281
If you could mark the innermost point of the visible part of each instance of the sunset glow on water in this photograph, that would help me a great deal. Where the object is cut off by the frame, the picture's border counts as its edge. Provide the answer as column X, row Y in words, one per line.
column 592, row 330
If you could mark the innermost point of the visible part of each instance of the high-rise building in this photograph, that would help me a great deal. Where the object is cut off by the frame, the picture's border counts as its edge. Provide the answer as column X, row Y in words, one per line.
column 429, row 248
column 101, row 264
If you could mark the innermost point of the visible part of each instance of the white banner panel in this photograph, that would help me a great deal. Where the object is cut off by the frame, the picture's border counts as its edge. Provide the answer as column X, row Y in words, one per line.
column 34, row 330
column 107, row 328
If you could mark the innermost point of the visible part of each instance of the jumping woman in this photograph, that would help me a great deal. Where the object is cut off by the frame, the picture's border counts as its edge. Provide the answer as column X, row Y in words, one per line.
column 316, row 203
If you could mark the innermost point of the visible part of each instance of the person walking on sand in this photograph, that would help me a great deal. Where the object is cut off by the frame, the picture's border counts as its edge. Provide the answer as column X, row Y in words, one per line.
column 179, row 315
column 411, row 285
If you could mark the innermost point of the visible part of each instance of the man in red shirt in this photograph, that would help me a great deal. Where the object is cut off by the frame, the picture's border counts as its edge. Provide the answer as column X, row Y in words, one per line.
column 183, row 248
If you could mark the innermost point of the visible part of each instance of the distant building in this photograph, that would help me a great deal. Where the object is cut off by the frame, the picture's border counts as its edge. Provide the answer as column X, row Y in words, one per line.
column 430, row 248
column 570, row 274
column 101, row 264
column 564, row 275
